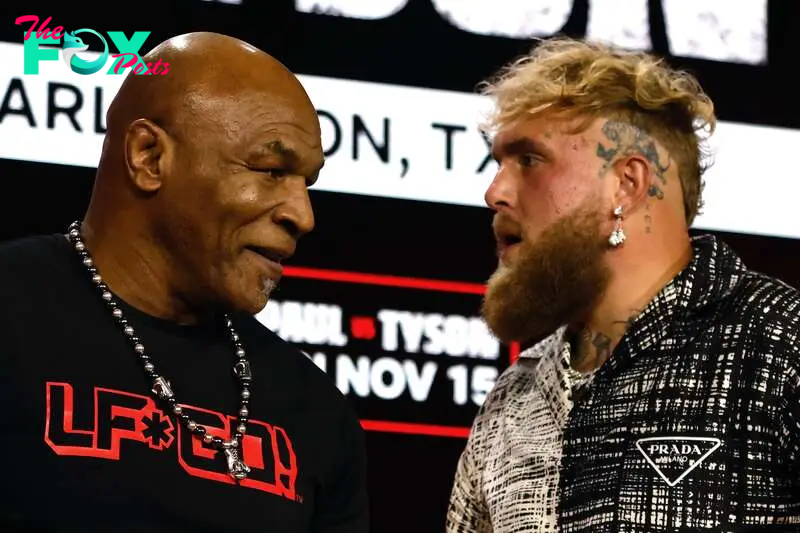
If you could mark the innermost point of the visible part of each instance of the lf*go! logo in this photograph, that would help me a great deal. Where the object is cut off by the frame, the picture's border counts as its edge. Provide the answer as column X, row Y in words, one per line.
column 128, row 56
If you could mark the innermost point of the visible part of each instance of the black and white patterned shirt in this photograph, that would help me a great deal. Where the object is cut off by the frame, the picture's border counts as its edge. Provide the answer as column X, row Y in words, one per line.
column 692, row 424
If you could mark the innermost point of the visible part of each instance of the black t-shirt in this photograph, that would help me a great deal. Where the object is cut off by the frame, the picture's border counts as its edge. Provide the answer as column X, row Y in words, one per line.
column 84, row 446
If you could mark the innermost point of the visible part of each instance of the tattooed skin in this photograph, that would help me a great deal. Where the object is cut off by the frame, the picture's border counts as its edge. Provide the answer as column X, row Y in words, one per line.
column 592, row 349
column 627, row 139
column 602, row 349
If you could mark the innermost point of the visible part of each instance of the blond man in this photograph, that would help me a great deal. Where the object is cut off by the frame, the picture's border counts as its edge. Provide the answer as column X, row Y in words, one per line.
column 660, row 387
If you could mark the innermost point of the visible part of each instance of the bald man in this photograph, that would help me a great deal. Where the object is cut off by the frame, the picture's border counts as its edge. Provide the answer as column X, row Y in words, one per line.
column 140, row 393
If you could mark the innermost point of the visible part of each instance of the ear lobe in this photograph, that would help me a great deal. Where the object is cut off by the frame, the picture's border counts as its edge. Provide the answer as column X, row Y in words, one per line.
column 145, row 147
column 634, row 186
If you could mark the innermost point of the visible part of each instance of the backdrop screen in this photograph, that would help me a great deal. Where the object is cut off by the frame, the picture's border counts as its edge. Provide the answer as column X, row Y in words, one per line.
column 385, row 294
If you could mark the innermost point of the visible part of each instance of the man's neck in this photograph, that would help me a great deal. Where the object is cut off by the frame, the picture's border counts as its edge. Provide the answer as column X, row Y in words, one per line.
column 134, row 270
column 629, row 293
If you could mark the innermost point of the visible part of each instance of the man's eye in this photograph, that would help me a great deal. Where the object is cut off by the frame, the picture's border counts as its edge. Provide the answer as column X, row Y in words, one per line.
column 271, row 172
column 527, row 160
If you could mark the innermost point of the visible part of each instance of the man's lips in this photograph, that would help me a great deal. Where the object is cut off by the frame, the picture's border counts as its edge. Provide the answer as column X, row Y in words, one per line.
column 276, row 255
column 506, row 242
column 270, row 259
column 506, row 250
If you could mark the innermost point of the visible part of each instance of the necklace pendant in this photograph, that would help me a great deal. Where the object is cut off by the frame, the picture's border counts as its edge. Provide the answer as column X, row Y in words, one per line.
column 162, row 388
column 236, row 467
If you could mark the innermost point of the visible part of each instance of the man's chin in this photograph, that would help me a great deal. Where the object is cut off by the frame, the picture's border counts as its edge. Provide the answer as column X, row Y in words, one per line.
column 496, row 311
column 498, row 278
column 508, row 329
column 263, row 294
column 512, row 314
column 253, row 298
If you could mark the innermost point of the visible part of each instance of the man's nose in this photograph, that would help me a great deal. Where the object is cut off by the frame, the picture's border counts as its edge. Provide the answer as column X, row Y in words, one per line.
column 500, row 192
column 295, row 212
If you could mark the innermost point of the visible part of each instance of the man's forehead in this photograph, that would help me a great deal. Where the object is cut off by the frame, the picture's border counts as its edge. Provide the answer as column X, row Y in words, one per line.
column 274, row 128
column 292, row 130
column 289, row 120
column 540, row 133
column 516, row 135
column 257, row 109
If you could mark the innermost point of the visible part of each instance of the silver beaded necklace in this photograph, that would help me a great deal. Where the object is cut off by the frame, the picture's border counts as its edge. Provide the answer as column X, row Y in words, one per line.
column 162, row 388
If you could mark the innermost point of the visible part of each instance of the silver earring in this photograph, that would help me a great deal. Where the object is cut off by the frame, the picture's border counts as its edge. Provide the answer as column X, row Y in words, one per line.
column 618, row 235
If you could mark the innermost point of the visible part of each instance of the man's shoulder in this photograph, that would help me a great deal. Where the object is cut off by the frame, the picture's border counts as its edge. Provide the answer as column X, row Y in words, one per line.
column 536, row 366
column 30, row 266
column 28, row 252
column 764, row 301
column 294, row 365
column 765, row 313
column 282, row 352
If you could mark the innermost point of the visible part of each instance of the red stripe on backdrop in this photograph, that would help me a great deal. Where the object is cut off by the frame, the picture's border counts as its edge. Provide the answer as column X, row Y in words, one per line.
column 428, row 430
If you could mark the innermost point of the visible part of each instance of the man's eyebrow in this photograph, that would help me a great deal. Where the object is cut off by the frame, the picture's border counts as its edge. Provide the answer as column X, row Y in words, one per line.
column 520, row 146
column 280, row 148
column 290, row 154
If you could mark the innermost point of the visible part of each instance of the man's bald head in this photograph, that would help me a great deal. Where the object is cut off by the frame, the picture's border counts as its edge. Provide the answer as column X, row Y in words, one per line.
column 210, row 161
column 201, row 65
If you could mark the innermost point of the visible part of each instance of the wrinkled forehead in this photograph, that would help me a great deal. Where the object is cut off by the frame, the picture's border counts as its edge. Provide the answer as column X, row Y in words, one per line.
column 246, row 116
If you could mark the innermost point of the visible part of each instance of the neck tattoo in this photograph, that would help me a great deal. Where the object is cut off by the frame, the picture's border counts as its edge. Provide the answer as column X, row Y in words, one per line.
column 162, row 388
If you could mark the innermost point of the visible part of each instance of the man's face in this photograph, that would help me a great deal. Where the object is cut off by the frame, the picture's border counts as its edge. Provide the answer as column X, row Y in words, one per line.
column 552, row 222
column 237, row 196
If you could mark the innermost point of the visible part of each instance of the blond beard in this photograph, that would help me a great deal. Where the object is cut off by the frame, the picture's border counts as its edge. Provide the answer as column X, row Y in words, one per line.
column 553, row 281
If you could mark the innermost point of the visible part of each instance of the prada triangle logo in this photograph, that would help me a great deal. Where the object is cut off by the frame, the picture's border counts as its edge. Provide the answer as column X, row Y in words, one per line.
column 674, row 457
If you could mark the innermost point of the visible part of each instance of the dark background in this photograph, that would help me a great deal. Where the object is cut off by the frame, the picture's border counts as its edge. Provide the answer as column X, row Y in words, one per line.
column 410, row 476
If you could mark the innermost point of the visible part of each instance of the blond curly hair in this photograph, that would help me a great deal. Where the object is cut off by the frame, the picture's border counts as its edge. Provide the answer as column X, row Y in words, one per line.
column 580, row 79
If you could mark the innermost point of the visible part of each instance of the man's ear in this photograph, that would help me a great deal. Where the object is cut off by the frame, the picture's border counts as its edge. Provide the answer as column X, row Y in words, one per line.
column 146, row 147
column 635, row 183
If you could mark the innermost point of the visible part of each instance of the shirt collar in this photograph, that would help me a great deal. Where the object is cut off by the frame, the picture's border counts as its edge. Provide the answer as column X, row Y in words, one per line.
column 712, row 274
